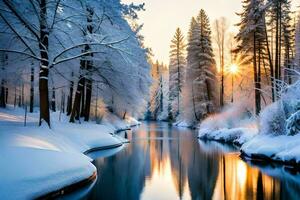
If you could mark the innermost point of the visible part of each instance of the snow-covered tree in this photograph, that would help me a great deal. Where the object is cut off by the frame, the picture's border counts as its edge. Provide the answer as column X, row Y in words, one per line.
column 201, row 84
column 251, row 38
column 176, row 73
column 297, row 44
column 59, row 35
column 220, row 28
column 156, row 91
column 279, row 19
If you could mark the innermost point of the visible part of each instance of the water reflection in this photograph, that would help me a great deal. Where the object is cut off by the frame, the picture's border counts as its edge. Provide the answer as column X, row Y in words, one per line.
column 169, row 163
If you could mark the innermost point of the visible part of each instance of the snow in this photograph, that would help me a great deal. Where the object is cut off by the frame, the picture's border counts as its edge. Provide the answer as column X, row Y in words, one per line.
column 38, row 160
column 181, row 123
column 132, row 121
column 233, row 125
column 27, row 173
column 235, row 135
column 115, row 123
column 277, row 136
column 284, row 148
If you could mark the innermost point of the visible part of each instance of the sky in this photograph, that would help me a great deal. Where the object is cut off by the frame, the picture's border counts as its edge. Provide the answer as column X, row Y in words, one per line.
column 162, row 17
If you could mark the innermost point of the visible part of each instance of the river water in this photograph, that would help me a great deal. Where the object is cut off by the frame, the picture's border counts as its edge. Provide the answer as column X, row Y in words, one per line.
column 163, row 162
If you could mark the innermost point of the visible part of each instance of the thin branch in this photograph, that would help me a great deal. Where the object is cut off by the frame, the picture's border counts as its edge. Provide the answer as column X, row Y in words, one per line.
column 55, row 13
column 18, row 35
column 86, row 43
column 74, row 57
column 20, row 52
column 19, row 16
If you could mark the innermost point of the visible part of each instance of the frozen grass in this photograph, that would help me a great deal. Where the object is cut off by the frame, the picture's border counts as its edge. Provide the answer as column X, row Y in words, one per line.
column 37, row 160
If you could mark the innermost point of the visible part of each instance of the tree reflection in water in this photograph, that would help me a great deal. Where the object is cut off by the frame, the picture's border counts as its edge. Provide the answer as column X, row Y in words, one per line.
column 162, row 162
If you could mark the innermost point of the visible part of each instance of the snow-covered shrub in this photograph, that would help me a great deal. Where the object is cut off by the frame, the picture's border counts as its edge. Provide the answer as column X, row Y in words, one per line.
column 233, row 116
column 293, row 124
column 282, row 117
column 272, row 120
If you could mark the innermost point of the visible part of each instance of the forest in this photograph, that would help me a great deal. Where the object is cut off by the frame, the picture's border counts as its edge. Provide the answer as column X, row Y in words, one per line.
column 80, row 77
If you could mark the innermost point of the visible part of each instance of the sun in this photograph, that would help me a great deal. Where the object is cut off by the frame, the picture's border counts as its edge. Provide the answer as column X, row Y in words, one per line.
column 233, row 69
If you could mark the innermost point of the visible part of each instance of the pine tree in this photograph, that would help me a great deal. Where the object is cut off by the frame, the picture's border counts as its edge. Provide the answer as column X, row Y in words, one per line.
column 201, row 87
column 279, row 18
column 251, row 38
column 297, row 46
column 207, row 64
column 155, row 90
column 176, row 73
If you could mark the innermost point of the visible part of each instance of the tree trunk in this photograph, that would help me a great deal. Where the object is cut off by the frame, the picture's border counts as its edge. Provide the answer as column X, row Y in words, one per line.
column 19, row 99
column 258, row 85
column 279, row 43
column 53, row 106
column 124, row 115
column 96, row 106
column 6, row 95
column 161, row 103
column 276, row 50
column 63, row 101
column 15, row 99
column 22, row 96
column 257, row 94
column 82, row 108
column 44, row 65
column 2, row 95
column 270, row 63
column 222, row 75
column 89, row 66
column 76, row 106
column 31, row 90
column 194, row 103
column 88, row 99
column 70, row 98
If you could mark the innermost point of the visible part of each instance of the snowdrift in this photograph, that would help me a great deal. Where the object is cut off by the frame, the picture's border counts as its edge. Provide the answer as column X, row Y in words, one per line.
column 233, row 125
column 279, row 138
column 38, row 160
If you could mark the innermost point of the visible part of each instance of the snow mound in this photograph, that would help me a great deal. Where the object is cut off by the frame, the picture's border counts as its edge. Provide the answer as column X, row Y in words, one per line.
column 279, row 127
column 235, row 135
column 182, row 123
column 233, row 124
column 27, row 173
column 38, row 160
column 283, row 148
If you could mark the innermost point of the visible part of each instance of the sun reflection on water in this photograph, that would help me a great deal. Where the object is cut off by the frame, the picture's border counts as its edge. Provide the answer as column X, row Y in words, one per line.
column 241, row 172
column 171, row 164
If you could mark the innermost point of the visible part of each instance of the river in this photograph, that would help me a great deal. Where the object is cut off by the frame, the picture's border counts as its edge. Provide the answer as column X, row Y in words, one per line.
column 165, row 163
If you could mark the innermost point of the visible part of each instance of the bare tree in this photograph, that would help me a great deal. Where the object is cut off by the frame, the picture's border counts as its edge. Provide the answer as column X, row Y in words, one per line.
column 221, row 26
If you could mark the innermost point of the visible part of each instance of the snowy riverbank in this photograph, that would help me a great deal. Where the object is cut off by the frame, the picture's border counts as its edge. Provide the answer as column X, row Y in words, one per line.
column 274, row 136
column 38, row 160
column 281, row 149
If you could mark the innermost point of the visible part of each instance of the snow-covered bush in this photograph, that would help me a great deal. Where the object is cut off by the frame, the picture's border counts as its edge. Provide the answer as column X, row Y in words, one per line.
column 272, row 120
column 233, row 116
column 234, row 124
column 282, row 117
column 293, row 122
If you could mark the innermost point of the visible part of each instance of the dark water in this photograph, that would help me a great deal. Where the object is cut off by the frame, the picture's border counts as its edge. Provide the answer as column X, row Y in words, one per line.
column 168, row 163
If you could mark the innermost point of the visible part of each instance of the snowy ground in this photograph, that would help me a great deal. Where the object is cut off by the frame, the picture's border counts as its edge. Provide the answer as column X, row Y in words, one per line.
column 232, row 125
column 278, row 148
column 233, row 135
column 37, row 160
